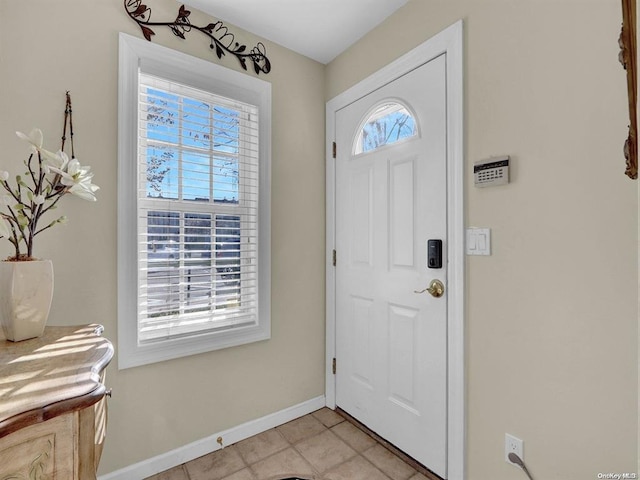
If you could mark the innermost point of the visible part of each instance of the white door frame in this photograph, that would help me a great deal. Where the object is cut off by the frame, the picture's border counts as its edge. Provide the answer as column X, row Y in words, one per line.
column 449, row 42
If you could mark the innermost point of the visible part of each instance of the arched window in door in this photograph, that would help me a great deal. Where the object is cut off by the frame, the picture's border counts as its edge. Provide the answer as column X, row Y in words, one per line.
column 387, row 123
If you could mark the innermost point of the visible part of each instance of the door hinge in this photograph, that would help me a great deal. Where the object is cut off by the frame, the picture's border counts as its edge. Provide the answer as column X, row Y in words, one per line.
column 334, row 258
column 333, row 365
column 334, row 149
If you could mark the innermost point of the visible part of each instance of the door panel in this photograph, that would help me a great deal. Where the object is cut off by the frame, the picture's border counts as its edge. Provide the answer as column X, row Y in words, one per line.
column 391, row 342
column 402, row 356
column 361, row 201
column 362, row 355
column 401, row 202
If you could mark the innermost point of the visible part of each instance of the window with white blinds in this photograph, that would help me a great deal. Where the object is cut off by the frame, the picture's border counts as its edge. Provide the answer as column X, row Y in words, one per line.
column 197, row 210
column 194, row 180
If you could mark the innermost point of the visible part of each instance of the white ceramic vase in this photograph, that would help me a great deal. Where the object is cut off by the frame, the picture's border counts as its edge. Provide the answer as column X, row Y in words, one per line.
column 26, row 291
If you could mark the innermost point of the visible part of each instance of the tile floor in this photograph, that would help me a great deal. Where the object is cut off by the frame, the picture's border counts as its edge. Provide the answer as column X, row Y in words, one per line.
column 319, row 446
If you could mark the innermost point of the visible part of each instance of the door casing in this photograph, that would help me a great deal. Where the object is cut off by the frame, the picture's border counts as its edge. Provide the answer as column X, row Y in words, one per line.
column 450, row 43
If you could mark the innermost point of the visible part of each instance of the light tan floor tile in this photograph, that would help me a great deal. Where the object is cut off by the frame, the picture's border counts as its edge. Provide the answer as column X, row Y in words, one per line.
column 355, row 437
column 358, row 468
column 216, row 465
column 320, row 453
column 328, row 417
column 418, row 476
column 285, row 463
column 261, row 446
column 325, row 450
column 389, row 463
column 176, row 473
column 245, row 474
column 303, row 427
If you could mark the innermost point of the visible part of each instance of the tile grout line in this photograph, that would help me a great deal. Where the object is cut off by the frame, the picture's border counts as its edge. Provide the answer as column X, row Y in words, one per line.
column 289, row 445
column 273, row 454
column 328, row 425
column 360, row 454
column 317, row 475
column 244, row 461
column 417, row 466
column 347, row 443
column 315, row 472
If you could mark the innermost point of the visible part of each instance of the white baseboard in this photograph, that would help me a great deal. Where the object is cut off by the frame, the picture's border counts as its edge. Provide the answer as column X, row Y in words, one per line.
column 173, row 458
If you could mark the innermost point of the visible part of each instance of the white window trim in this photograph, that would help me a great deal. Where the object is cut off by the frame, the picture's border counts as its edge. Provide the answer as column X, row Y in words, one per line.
column 182, row 68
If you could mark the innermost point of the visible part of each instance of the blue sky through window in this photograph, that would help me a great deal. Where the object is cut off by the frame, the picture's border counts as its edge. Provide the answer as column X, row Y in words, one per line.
column 388, row 124
column 192, row 149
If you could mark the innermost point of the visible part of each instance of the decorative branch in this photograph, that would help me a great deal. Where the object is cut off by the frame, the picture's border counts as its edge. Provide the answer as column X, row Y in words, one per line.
column 221, row 40
column 52, row 176
column 627, row 57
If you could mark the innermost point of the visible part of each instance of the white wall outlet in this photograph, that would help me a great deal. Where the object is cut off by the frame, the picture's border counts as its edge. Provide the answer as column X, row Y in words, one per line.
column 515, row 445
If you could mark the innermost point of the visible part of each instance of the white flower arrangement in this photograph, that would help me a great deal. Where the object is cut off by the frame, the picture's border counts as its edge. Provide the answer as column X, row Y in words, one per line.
column 46, row 181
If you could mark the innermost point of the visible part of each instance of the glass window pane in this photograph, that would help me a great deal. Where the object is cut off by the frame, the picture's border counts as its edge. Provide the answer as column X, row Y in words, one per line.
column 388, row 124
column 225, row 179
column 162, row 111
column 227, row 245
column 226, row 127
column 163, row 263
column 193, row 149
column 196, row 177
column 197, row 262
column 196, row 124
column 162, row 172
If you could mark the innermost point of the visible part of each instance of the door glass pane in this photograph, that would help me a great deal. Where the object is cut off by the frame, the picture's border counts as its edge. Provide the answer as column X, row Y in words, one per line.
column 389, row 123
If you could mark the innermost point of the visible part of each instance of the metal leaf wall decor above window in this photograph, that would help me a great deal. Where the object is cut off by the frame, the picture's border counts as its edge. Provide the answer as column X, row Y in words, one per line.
column 221, row 40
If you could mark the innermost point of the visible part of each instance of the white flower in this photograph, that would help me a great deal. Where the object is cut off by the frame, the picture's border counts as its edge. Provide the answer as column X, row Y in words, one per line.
column 5, row 231
column 85, row 189
column 58, row 160
column 63, row 220
column 78, row 179
column 34, row 138
column 49, row 176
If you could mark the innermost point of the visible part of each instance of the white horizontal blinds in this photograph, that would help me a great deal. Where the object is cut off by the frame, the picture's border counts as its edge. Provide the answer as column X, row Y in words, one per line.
column 198, row 207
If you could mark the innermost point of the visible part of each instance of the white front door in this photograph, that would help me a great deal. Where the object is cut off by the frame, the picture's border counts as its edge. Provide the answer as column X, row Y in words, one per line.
column 391, row 199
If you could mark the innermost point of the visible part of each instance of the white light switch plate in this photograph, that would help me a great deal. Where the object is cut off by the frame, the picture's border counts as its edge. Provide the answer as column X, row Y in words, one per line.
column 478, row 241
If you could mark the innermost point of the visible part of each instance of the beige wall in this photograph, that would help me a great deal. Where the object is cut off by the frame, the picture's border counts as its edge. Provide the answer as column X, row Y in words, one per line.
column 49, row 47
column 552, row 314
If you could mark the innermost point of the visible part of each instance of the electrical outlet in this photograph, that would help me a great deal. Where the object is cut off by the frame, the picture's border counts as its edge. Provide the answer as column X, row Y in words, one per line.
column 515, row 445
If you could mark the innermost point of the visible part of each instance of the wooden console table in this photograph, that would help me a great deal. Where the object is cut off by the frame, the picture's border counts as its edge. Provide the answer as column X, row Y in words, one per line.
column 53, row 405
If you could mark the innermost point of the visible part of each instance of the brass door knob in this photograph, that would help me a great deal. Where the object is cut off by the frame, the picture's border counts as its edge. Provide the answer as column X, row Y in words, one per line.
column 435, row 288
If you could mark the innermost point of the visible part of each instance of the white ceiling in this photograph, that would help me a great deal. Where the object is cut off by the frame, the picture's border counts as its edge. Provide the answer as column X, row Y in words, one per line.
column 319, row 29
